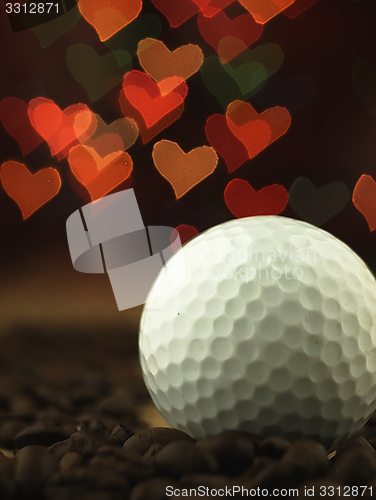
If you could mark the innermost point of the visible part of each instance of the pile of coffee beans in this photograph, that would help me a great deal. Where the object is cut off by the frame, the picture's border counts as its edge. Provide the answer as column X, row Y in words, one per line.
column 70, row 429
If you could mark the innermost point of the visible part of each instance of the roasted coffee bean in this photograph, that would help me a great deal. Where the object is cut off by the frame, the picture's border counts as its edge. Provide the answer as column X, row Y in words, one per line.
column 153, row 489
column 8, row 487
column 7, row 465
column 153, row 450
column 354, row 466
column 279, row 474
column 23, row 407
column 79, row 492
column 134, row 466
column 87, row 389
column 119, row 435
column 310, row 456
column 34, row 465
column 141, row 441
column 258, row 465
column 43, row 434
column 83, row 442
column 52, row 415
column 182, row 457
column 358, row 441
column 94, row 478
column 47, row 394
column 60, row 448
column 234, row 450
column 9, row 430
column 211, row 481
column 105, row 424
column 274, row 447
column 321, row 488
column 116, row 404
column 71, row 460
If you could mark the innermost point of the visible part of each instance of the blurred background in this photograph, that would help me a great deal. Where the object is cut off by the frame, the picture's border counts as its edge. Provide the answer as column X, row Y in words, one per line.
column 327, row 82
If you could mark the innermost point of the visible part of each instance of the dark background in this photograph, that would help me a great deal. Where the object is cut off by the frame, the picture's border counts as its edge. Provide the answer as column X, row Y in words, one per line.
column 333, row 138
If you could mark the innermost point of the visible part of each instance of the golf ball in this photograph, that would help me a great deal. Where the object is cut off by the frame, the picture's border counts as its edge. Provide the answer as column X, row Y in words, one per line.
column 265, row 325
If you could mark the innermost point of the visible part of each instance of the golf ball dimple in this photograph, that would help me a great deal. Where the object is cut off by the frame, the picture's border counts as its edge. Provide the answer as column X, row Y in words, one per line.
column 265, row 325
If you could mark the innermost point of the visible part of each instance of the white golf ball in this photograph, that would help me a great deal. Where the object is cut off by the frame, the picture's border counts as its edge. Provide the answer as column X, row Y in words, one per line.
column 265, row 325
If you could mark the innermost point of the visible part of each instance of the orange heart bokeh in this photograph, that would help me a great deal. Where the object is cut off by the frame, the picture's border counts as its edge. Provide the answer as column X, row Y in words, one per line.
column 109, row 17
column 183, row 170
column 243, row 201
column 160, row 63
column 61, row 129
column 364, row 199
column 257, row 131
column 264, row 10
column 29, row 191
column 99, row 175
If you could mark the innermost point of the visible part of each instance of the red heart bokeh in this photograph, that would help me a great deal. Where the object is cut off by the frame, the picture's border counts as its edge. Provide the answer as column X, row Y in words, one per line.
column 364, row 199
column 186, row 233
column 15, row 119
column 229, row 37
column 225, row 142
column 29, row 191
column 243, row 201
column 143, row 81
column 253, row 129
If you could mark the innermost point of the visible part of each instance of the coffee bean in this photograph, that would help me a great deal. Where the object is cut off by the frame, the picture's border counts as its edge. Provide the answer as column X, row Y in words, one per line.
column 279, row 474
column 79, row 492
column 23, row 407
column 115, row 405
column 141, row 441
column 354, row 466
column 234, row 450
column 43, row 434
column 134, row 466
column 9, row 430
column 258, row 465
column 153, row 450
column 153, row 489
column 60, row 449
column 182, row 457
column 8, row 487
column 310, row 456
column 358, row 441
column 119, row 435
column 7, row 465
column 70, row 460
column 95, row 478
column 34, row 465
column 52, row 415
column 97, row 422
column 50, row 395
column 211, row 481
column 274, row 447
column 83, row 442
